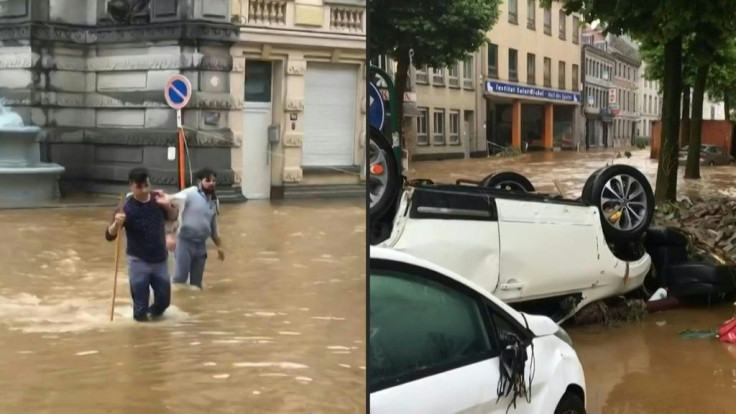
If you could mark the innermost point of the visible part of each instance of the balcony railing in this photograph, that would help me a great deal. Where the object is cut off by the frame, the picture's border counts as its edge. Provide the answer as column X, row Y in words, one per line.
column 282, row 13
column 347, row 19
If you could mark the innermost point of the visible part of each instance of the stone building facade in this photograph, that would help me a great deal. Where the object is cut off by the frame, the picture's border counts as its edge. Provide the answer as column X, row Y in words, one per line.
column 598, row 72
column 96, row 87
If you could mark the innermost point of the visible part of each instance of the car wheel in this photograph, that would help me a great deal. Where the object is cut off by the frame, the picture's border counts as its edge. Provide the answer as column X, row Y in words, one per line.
column 588, row 187
column 570, row 404
column 625, row 201
column 383, row 175
column 509, row 181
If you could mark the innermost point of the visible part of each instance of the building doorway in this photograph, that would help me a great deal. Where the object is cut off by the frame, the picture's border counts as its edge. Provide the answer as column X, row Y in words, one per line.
column 258, row 115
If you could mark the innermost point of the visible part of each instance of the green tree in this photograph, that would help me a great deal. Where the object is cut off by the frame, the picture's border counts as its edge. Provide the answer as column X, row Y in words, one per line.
column 440, row 32
column 666, row 23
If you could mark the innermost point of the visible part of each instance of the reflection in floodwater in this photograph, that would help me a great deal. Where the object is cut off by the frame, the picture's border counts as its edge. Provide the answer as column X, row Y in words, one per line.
column 633, row 368
column 280, row 326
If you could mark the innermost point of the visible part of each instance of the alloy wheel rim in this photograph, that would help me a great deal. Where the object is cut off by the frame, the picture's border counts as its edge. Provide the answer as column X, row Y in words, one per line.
column 624, row 202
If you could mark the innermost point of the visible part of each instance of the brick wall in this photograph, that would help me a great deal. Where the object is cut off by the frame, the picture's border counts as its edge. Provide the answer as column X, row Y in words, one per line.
column 714, row 132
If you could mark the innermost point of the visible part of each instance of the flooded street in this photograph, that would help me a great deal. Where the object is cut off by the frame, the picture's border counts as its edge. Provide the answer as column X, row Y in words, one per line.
column 280, row 326
column 636, row 368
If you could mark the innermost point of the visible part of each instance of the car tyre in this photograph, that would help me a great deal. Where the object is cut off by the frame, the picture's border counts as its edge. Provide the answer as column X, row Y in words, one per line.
column 509, row 181
column 570, row 404
column 625, row 201
column 383, row 188
column 588, row 187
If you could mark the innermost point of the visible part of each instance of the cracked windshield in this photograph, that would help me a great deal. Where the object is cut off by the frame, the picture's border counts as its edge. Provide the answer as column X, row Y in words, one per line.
column 183, row 200
column 552, row 209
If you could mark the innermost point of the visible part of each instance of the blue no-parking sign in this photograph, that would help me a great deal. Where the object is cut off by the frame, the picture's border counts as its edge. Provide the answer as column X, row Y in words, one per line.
column 178, row 91
column 376, row 108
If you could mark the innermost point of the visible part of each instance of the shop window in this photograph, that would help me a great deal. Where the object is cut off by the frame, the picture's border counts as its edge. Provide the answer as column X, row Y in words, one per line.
column 422, row 136
column 492, row 60
column 469, row 72
column 438, row 127
column 563, row 25
column 561, row 76
column 454, row 136
column 531, row 14
column 513, row 65
column 513, row 12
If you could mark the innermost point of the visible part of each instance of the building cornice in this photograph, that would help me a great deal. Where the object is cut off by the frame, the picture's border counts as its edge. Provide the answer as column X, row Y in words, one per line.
column 302, row 38
column 85, row 35
column 600, row 53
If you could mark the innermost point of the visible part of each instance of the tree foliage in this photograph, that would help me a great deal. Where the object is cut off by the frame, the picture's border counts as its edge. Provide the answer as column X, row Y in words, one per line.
column 440, row 32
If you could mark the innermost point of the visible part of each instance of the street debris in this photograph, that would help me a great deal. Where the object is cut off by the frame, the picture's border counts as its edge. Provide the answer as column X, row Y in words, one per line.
column 709, row 225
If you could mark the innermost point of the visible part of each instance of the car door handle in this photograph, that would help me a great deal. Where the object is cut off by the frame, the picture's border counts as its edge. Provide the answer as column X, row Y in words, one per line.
column 511, row 285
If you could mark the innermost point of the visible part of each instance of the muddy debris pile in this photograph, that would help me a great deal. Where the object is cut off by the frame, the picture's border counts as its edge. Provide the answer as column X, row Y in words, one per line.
column 710, row 226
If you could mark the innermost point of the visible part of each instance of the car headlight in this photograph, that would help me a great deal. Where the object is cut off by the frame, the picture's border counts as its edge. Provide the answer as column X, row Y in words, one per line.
column 563, row 335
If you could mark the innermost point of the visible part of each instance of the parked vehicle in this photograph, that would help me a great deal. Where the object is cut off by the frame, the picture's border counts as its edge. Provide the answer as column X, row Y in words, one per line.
column 709, row 155
column 437, row 342
column 528, row 247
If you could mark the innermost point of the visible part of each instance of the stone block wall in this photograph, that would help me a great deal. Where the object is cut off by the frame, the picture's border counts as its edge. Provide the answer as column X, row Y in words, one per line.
column 96, row 87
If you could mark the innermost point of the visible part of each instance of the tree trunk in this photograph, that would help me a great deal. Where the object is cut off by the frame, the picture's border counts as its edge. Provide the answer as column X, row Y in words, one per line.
column 692, row 170
column 685, row 124
column 402, row 75
column 727, row 106
column 666, row 186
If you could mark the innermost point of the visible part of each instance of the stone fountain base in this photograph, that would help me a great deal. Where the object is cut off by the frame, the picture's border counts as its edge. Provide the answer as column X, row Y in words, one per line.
column 24, row 180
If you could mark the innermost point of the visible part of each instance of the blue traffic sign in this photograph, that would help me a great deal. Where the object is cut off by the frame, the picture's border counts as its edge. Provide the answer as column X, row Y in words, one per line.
column 178, row 91
column 376, row 107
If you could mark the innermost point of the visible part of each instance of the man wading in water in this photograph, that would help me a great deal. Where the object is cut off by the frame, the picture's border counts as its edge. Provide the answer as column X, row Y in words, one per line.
column 144, row 215
column 197, row 223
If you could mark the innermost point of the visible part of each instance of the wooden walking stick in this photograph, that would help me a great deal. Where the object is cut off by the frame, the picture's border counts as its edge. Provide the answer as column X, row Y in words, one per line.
column 117, row 261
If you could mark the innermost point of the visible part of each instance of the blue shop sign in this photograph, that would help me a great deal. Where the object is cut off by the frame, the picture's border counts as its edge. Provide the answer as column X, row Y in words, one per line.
column 376, row 108
column 500, row 87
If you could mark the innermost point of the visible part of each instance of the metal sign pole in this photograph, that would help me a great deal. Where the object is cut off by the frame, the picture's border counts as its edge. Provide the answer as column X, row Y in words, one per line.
column 181, row 168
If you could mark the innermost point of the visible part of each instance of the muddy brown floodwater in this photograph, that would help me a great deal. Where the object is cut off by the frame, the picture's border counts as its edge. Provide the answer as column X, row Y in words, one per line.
column 279, row 328
column 637, row 368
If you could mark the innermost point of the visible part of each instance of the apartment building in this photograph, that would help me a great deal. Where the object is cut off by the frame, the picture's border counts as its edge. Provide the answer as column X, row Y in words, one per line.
column 598, row 66
column 532, row 78
column 650, row 97
column 623, row 99
column 267, row 76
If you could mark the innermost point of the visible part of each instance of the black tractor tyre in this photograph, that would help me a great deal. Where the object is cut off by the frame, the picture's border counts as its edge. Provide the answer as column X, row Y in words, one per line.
column 509, row 181
column 570, row 404
column 390, row 194
column 613, row 233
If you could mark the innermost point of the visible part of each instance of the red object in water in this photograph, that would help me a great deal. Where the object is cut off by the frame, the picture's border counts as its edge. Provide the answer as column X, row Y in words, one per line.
column 727, row 331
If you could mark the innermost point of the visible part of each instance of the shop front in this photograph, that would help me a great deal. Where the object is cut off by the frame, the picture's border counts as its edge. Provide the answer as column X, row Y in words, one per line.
column 530, row 118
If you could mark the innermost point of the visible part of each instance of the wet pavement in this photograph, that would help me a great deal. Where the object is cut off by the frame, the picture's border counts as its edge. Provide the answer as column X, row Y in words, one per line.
column 571, row 169
column 634, row 368
column 280, row 326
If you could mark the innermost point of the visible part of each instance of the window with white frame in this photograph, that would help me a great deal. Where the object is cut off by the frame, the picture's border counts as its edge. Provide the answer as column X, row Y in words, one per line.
column 469, row 71
column 454, row 128
column 422, row 135
column 438, row 127
column 452, row 75
column 438, row 76
column 422, row 76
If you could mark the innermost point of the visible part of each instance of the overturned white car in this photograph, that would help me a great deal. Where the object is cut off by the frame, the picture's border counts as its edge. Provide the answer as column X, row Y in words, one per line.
column 539, row 249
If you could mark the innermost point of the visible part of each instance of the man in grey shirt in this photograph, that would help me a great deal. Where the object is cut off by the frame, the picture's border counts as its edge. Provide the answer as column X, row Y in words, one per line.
column 198, row 209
